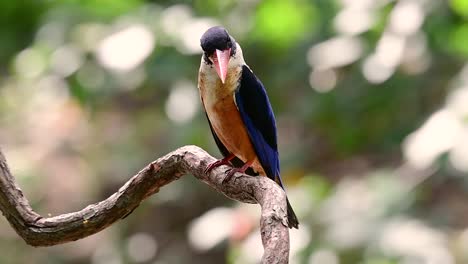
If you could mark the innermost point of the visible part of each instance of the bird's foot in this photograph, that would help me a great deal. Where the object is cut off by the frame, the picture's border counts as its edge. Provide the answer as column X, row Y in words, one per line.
column 218, row 163
column 231, row 172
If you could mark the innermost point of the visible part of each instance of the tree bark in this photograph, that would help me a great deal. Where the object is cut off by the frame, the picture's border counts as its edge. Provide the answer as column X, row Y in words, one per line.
column 48, row 231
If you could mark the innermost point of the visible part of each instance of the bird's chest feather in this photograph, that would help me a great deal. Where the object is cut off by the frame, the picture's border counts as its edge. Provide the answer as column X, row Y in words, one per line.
column 220, row 106
column 212, row 90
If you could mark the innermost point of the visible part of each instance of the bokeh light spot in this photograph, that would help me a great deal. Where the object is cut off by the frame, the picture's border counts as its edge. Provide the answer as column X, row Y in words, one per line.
column 106, row 254
column 211, row 228
column 438, row 134
column 66, row 60
column 125, row 49
column 335, row 52
column 30, row 63
column 353, row 21
column 181, row 106
column 390, row 49
column 141, row 247
column 323, row 80
column 324, row 256
column 407, row 17
column 374, row 71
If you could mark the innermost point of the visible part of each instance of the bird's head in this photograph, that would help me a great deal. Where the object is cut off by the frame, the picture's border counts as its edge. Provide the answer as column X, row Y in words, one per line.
column 218, row 47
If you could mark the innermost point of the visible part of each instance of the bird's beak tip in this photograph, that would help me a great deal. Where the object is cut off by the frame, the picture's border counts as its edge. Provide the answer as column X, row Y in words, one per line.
column 222, row 63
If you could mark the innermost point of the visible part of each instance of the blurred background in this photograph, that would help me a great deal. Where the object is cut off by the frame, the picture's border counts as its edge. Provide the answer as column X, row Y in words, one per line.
column 371, row 100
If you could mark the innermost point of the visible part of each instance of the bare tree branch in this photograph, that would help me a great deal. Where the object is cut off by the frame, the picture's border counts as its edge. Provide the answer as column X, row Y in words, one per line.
column 39, row 231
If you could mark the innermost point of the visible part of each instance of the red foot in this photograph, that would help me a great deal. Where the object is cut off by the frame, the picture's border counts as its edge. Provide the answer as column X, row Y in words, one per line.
column 218, row 163
column 233, row 171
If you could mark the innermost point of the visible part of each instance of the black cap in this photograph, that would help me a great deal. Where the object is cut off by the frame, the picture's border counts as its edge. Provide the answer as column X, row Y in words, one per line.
column 217, row 38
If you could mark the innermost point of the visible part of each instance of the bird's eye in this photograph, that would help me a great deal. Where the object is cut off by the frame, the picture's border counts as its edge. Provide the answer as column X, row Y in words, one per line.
column 213, row 58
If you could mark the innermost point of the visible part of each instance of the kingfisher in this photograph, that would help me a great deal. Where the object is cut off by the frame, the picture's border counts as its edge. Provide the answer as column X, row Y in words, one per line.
column 239, row 113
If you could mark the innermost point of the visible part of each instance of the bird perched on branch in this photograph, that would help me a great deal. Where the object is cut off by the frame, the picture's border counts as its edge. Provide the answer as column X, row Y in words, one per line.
column 238, row 110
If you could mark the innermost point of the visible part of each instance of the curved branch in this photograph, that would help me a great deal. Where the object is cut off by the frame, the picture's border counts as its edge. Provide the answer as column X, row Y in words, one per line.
column 39, row 231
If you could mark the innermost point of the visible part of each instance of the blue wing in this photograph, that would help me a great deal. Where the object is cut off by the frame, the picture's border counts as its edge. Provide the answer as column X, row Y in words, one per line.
column 255, row 110
column 257, row 114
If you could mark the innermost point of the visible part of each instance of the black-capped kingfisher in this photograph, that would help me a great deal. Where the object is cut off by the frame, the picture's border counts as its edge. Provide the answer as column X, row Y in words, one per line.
column 238, row 110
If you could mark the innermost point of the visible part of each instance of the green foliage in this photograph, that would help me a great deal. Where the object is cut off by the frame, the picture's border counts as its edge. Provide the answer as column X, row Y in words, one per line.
column 280, row 24
column 458, row 38
column 460, row 7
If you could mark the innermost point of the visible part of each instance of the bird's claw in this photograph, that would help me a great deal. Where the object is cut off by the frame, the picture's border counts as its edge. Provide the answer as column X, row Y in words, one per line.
column 211, row 166
column 218, row 163
column 229, row 174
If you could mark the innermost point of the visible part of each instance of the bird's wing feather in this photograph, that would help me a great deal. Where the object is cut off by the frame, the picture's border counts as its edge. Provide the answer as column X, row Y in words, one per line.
column 256, row 112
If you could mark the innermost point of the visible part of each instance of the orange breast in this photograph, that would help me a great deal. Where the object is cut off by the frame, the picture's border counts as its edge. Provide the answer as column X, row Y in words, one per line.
column 230, row 128
column 225, row 119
